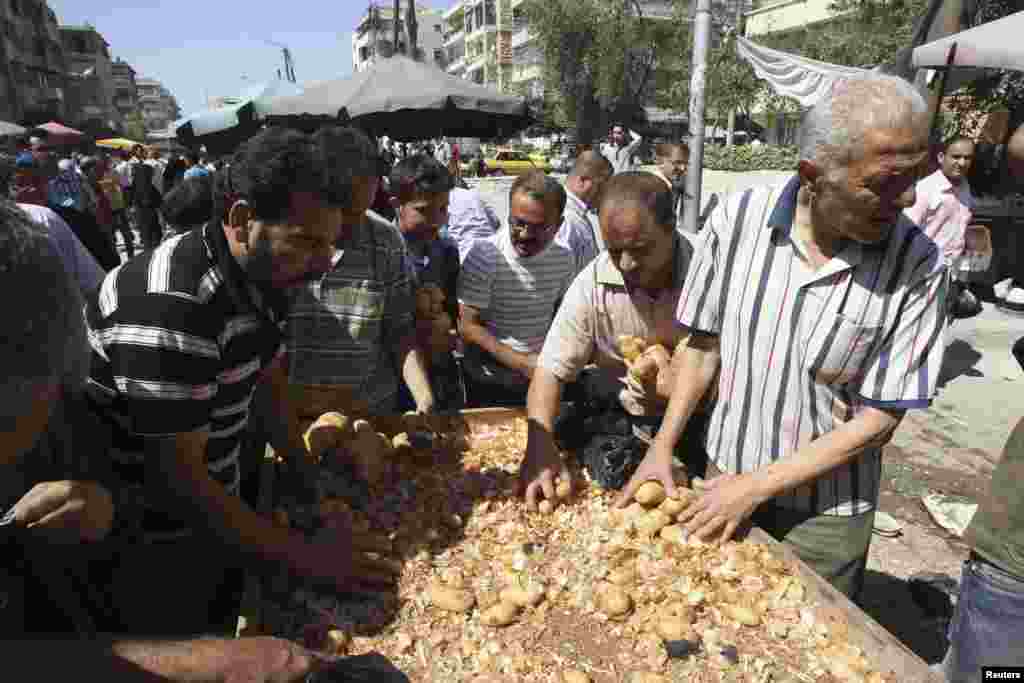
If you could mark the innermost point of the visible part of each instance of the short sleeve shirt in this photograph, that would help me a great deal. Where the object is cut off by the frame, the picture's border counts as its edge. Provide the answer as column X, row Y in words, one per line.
column 344, row 329
column 179, row 342
column 597, row 309
column 803, row 351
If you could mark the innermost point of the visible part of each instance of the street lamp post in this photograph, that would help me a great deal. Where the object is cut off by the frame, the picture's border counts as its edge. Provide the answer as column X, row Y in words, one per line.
column 701, row 41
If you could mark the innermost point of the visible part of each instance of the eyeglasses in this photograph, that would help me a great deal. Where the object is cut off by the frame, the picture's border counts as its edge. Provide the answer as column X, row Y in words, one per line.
column 520, row 226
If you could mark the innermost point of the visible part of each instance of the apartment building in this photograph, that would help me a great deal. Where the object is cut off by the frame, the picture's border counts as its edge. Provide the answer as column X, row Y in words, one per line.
column 126, row 97
column 373, row 36
column 32, row 65
column 90, row 78
column 778, row 17
column 490, row 42
column 159, row 108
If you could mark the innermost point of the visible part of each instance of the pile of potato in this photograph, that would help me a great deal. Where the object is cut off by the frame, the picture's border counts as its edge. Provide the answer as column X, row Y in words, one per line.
column 475, row 596
column 334, row 435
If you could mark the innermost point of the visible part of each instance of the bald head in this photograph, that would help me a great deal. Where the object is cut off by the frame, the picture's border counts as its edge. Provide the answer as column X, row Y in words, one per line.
column 1015, row 155
column 589, row 175
column 591, row 164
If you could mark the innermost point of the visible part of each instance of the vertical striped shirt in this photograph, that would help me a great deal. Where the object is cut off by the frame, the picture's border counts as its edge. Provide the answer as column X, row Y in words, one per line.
column 344, row 329
column 516, row 296
column 179, row 343
column 579, row 231
column 803, row 350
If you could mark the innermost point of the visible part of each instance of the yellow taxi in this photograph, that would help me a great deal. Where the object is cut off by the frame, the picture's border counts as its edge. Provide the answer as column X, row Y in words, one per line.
column 510, row 162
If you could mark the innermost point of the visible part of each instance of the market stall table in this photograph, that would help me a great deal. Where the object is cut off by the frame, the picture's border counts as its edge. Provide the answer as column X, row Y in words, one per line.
column 832, row 611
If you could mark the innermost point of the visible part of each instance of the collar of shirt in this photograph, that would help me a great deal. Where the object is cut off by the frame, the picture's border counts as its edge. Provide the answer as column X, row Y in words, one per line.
column 781, row 219
column 607, row 274
column 577, row 205
column 243, row 296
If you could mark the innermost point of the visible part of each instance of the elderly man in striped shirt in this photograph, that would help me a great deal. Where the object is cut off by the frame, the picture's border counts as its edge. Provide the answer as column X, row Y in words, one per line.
column 823, row 308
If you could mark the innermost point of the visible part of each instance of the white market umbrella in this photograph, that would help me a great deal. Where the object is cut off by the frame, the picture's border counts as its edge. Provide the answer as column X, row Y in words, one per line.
column 993, row 45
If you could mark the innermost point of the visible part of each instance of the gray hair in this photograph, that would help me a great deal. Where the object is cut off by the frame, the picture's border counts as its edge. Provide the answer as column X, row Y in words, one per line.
column 833, row 128
column 43, row 338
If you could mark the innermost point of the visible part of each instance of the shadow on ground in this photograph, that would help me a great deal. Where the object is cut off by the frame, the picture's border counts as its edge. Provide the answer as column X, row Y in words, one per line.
column 960, row 361
column 887, row 600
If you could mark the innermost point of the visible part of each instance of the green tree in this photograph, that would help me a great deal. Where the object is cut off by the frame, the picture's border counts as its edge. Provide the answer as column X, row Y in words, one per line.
column 599, row 58
column 135, row 127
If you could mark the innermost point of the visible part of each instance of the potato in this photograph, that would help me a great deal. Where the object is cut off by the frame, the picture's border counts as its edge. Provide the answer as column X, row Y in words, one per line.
column 337, row 642
column 327, row 432
column 650, row 494
column 281, row 518
column 574, row 676
column 523, row 597
column 502, row 614
column 673, row 533
column 424, row 303
column 674, row 628
column 672, row 506
column 624, row 576
column 632, row 513
column 369, row 451
column 744, row 615
column 644, row 369
column 564, row 489
column 615, row 602
column 545, row 507
column 652, row 522
column 631, row 347
column 402, row 445
column 451, row 599
column 646, row 677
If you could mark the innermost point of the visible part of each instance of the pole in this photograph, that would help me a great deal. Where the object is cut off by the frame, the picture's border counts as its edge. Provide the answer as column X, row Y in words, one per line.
column 950, row 59
column 701, row 40
column 737, row 31
column 398, row 15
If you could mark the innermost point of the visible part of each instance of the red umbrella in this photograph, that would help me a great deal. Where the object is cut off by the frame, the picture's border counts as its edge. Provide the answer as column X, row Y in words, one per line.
column 58, row 134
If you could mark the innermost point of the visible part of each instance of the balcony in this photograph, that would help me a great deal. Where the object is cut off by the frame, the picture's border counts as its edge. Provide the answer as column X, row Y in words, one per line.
column 477, row 64
column 521, row 37
column 453, row 37
column 456, row 66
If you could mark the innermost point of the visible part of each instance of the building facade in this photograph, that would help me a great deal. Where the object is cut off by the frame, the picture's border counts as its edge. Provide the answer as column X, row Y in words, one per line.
column 32, row 64
column 374, row 34
column 90, row 78
column 490, row 42
column 158, row 106
column 126, row 98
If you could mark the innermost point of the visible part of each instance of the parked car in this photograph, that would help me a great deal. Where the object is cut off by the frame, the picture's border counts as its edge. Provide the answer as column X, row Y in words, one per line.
column 514, row 163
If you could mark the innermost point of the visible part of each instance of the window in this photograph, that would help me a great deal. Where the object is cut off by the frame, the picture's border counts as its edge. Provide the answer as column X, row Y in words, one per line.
column 479, row 14
column 437, row 28
column 492, row 13
column 438, row 54
column 469, row 22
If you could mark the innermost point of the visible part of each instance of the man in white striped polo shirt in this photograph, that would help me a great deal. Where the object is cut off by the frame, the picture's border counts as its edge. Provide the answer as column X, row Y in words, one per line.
column 509, row 288
column 823, row 307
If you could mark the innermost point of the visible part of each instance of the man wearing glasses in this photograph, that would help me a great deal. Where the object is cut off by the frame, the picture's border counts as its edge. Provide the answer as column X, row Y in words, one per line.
column 509, row 290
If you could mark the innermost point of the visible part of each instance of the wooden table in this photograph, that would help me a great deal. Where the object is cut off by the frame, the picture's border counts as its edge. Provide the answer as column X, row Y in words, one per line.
column 884, row 651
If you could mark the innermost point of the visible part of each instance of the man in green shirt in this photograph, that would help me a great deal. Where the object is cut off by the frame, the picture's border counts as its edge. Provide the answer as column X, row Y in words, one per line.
column 988, row 628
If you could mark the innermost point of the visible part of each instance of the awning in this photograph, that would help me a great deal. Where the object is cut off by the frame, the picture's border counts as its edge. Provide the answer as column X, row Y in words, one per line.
column 992, row 45
column 250, row 104
column 805, row 80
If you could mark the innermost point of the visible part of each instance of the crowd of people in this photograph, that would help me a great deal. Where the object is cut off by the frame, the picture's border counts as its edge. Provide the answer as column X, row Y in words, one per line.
column 788, row 338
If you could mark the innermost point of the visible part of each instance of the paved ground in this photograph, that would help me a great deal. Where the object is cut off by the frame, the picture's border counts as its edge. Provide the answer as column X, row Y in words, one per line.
column 949, row 448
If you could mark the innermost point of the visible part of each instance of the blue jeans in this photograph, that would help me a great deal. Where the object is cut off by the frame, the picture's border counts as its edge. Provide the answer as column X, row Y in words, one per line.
column 988, row 627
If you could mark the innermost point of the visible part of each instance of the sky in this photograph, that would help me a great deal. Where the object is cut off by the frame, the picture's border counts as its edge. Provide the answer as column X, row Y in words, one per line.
column 208, row 48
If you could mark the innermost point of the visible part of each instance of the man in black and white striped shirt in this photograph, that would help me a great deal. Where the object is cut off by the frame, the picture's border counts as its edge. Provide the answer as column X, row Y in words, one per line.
column 823, row 308
column 181, row 336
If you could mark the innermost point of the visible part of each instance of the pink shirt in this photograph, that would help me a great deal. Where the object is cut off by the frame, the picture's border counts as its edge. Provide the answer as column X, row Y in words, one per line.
column 943, row 212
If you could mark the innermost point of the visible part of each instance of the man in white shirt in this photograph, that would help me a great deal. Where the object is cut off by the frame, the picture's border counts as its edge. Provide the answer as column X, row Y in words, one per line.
column 509, row 289
column 673, row 160
column 580, row 231
column 620, row 152
column 945, row 205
